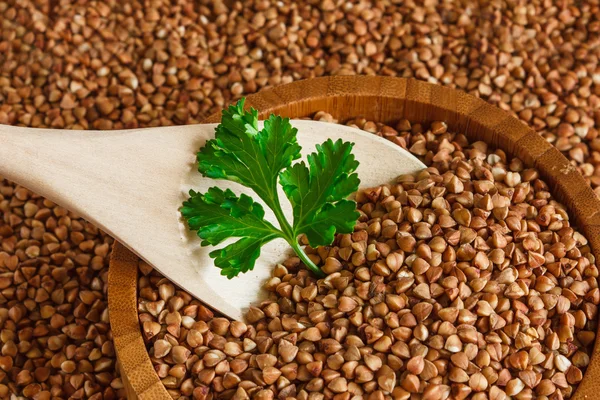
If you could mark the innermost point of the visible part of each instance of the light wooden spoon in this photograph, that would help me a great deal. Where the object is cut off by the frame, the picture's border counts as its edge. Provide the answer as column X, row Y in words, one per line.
column 131, row 184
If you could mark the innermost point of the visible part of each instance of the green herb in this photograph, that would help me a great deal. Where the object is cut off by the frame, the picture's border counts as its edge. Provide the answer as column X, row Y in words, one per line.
column 257, row 159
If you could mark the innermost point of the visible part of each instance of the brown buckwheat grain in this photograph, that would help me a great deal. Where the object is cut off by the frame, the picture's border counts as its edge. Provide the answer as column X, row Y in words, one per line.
column 123, row 64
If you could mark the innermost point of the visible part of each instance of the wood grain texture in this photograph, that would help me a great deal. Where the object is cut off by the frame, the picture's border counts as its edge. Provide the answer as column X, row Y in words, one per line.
column 386, row 100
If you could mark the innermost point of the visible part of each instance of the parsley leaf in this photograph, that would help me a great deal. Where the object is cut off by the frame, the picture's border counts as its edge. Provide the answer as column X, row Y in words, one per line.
column 218, row 215
column 317, row 193
column 243, row 154
column 258, row 158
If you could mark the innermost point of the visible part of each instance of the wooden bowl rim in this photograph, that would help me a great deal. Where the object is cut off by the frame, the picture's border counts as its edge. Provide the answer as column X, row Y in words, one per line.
column 416, row 99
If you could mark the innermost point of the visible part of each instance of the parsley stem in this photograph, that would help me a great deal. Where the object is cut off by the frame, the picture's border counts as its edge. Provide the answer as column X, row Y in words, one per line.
column 288, row 233
column 283, row 223
column 302, row 255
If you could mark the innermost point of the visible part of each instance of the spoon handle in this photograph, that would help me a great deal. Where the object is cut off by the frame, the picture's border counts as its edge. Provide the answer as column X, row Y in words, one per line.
column 45, row 160
column 100, row 175
column 127, row 183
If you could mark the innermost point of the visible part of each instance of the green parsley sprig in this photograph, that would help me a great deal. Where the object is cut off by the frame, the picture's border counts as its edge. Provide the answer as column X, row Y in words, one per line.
column 258, row 159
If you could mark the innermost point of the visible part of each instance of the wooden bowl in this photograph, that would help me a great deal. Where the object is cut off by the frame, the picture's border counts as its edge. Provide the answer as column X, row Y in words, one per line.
column 386, row 100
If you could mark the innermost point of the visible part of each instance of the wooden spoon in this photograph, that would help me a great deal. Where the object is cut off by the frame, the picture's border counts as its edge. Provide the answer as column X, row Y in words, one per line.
column 131, row 184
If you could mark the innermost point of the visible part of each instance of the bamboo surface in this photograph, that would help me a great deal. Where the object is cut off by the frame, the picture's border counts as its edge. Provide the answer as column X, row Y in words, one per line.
column 382, row 99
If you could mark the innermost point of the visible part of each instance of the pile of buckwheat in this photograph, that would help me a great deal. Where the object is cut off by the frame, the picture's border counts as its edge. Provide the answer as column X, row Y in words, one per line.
column 465, row 281
column 123, row 64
